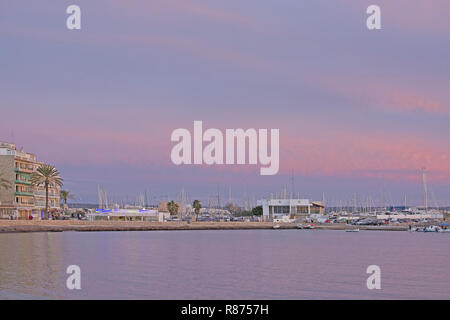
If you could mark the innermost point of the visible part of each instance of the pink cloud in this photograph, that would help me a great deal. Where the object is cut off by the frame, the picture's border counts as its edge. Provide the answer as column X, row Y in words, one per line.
column 171, row 8
column 389, row 94
column 315, row 151
column 411, row 101
column 96, row 146
column 340, row 152
column 192, row 47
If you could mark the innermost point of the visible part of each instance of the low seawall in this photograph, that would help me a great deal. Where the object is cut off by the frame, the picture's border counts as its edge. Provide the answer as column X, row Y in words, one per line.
column 75, row 225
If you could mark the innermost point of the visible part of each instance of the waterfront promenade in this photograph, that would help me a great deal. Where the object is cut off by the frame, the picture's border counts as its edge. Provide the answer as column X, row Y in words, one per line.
column 77, row 225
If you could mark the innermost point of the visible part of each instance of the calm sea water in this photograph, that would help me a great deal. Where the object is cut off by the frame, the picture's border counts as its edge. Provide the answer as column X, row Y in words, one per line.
column 233, row 264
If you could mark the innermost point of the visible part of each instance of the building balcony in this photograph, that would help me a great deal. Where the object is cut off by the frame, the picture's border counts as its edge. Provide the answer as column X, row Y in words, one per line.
column 42, row 194
column 24, row 204
column 27, row 202
column 24, row 194
column 42, row 206
column 26, row 157
column 28, row 183
column 23, row 169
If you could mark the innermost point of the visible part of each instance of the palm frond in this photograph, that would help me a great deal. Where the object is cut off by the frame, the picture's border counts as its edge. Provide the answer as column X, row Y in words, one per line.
column 46, row 174
column 64, row 194
column 172, row 207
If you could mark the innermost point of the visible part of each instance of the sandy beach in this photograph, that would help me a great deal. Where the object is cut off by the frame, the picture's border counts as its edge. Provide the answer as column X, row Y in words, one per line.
column 7, row 226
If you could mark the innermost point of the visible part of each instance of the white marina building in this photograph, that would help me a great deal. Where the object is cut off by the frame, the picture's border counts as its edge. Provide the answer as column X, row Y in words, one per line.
column 289, row 208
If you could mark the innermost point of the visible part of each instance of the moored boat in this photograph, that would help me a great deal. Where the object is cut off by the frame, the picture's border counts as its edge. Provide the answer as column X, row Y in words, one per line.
column 431, row 229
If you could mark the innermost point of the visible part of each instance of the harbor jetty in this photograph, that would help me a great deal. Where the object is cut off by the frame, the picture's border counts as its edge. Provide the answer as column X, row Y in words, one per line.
column 9, row 226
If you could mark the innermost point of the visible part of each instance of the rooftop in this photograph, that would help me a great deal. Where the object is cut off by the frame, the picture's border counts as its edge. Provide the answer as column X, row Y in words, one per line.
column 9, row 149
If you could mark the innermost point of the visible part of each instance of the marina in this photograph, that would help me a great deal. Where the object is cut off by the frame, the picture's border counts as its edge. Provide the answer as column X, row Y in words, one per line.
column 30, row 204
column 8, row 226
column 256, row 151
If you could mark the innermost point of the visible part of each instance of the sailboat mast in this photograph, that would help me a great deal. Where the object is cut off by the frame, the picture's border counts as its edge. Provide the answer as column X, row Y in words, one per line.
column 425, row 189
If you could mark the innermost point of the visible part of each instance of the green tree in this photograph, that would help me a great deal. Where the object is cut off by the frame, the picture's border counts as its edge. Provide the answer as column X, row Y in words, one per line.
column 257, row 211
column 173, row 207
column 197, row 206
column 66, row 195
column 46, row 175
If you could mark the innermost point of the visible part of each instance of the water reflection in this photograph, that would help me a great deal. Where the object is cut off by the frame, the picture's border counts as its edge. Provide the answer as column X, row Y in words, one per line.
column 233, row 264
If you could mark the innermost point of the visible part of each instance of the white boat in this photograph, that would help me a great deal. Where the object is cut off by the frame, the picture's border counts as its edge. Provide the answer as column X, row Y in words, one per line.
column 299, row 226
column 431, row 229
column 352, row 230
column 277, row 226
column 309, row 226
column 418, row 229
column 444, row 230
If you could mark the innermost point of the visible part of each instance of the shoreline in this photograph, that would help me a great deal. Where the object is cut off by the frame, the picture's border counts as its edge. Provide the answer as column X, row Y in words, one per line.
column 23, row 226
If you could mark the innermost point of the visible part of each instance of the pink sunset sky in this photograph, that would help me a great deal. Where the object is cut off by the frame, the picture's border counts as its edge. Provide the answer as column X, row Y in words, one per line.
column 359, row 112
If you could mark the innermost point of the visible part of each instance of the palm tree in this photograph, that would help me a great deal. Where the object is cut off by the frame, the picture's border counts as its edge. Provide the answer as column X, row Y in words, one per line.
column 66, row 195
column 47, row 176
column 172, row 207
column 197, row 206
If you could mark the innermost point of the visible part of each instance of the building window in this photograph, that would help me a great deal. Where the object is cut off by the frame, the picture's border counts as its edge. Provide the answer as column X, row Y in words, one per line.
column 281, row 209
column 302, row 209
column 315, row 209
